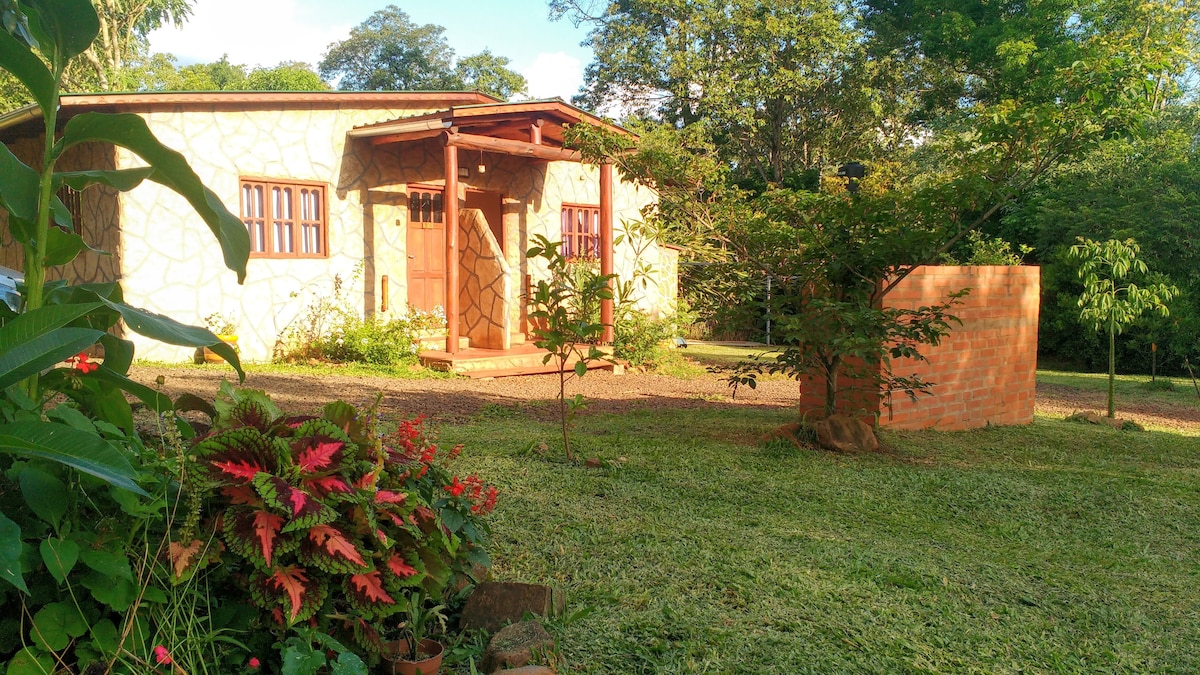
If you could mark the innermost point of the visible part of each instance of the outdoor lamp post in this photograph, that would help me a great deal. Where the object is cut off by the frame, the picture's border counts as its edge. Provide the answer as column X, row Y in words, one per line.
column 852, row 171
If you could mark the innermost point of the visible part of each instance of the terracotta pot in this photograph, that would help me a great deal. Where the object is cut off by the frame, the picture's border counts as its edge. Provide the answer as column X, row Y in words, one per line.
column 430, row 650
column 210, row 357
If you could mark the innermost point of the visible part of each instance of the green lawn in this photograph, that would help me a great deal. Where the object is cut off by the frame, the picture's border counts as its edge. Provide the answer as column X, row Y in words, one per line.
column 1127, row 387
column 1052, row 548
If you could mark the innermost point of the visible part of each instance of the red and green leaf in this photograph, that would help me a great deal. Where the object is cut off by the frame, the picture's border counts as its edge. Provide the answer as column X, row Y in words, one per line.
column 236, row 456
column 290, row 588
column 256, row 536
column 324, row 486
column 336, row 543
column 365, row 593
column 181, row 556
column 400, row 567
column 242, row 495
column 305, row 509
column 388, row 497
column 320, row 456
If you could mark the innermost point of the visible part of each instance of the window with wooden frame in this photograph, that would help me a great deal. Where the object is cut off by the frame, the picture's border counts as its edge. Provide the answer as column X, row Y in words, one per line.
column 73, row 200
column 580, row 231
column 285, row 219
column 425, row 204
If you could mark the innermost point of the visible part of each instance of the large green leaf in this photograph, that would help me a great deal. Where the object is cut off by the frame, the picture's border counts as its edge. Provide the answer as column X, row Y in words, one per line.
column 79, row 450
column 69, row 25
column 118, row 353
column 43, row 352
column 32, row 325
column 23, row 64
column 45, row 494
column 170, row 331
column 10, row 553
column 62, row 247
column 153, row 399
column 18, row 186
column 56, row 624
column 121, row 179
column 170, row 169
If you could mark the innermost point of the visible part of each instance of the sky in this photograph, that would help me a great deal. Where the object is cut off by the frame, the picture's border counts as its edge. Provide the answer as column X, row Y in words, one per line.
column 266, row 32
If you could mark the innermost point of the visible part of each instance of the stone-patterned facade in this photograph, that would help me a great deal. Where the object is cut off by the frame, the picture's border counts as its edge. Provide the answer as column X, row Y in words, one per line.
column 168, row 261
column 98, row 206
column 485, row 284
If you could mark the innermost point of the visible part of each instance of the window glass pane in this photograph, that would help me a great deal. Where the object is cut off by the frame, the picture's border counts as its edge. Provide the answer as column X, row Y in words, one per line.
column 414, row 208
column 437, row 207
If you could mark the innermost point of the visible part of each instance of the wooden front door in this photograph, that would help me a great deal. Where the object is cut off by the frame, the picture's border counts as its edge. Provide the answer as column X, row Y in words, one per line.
column 426, row 245
column 491, row 203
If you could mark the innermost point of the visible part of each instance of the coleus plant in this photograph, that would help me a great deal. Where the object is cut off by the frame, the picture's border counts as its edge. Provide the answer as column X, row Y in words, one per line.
column 333, row 521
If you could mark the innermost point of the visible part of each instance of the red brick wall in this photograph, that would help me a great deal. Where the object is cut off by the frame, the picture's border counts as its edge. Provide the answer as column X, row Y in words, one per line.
column 983, row 371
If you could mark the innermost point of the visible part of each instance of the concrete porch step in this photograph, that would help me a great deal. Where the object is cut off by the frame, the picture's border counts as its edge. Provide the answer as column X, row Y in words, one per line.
column 438, row 342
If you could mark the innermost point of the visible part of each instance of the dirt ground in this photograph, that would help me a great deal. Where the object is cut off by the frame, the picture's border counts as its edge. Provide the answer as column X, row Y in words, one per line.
column 458, row 399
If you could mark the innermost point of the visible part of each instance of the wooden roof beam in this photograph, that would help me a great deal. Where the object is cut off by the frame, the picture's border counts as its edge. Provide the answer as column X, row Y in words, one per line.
column 510, row 147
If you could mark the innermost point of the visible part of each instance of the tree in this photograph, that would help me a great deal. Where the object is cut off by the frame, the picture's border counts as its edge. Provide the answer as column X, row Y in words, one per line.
column 1106, row 304
column 1144, row 187
column 390, row 52
column 220, row 75
column 768, row 78
column 286, row 76
column 490, row 74
column 124, row 25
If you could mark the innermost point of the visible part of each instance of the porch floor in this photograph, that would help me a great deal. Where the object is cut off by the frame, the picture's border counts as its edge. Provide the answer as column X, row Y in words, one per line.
column 523, row 359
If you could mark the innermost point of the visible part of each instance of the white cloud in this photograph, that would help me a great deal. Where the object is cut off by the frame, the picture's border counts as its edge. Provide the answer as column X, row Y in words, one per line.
column 252, row 32
column 554, row 74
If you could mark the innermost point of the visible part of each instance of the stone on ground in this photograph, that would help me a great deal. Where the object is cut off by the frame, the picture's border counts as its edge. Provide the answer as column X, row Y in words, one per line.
column 515, row 646
column 494, row 604
column 843, row 433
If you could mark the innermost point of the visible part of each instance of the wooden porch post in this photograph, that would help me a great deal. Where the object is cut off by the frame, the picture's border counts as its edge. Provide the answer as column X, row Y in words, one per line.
column 606, row 247
column 450, row 209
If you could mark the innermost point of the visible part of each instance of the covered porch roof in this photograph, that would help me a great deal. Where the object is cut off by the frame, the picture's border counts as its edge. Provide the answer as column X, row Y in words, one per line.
column 524, row 128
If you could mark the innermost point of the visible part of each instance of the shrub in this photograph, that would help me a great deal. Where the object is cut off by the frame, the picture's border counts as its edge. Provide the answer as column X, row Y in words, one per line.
column 645, row 341
column 328, row 521
column 331, row 330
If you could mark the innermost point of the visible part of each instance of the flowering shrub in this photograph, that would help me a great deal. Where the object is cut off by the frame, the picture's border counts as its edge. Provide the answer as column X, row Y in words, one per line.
column 328, row 517
column 332, row 329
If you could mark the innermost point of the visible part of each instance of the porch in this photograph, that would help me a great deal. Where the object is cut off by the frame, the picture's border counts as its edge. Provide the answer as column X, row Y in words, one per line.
column 469, row 187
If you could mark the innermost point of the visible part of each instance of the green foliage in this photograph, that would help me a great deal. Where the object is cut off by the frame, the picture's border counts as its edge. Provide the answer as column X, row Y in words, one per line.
column 421, row 620
column 490, row 74
column 562, row 319
column 390, row 52
column 832, row 259
column 330, row 518
column 158, row 72
column 1109, row 303
column 1146, row 187
column 330, row 329
column 645, row 341
column 94, row 565
column 309, row 652
column 978, row 249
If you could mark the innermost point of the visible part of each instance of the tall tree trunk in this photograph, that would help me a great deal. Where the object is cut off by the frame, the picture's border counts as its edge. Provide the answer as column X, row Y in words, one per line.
column 1112, row 367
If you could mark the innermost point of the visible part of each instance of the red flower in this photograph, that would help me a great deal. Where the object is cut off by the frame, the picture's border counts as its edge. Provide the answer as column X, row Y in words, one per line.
column 81, row 363
column 254, row 662
column 456, row 488
column 161, row 656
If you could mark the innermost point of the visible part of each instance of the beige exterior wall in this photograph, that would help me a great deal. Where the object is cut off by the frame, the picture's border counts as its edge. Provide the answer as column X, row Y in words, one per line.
column 168, row 261
column 172, row 264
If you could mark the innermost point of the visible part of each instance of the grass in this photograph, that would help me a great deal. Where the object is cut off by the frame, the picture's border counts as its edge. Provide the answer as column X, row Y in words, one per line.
column 725, row 356
column 403, row 371
column 1050, row 548
column 1127, row 387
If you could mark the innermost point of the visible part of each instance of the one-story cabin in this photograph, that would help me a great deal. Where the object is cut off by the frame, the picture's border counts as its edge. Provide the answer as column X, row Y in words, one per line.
column 421, row 199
